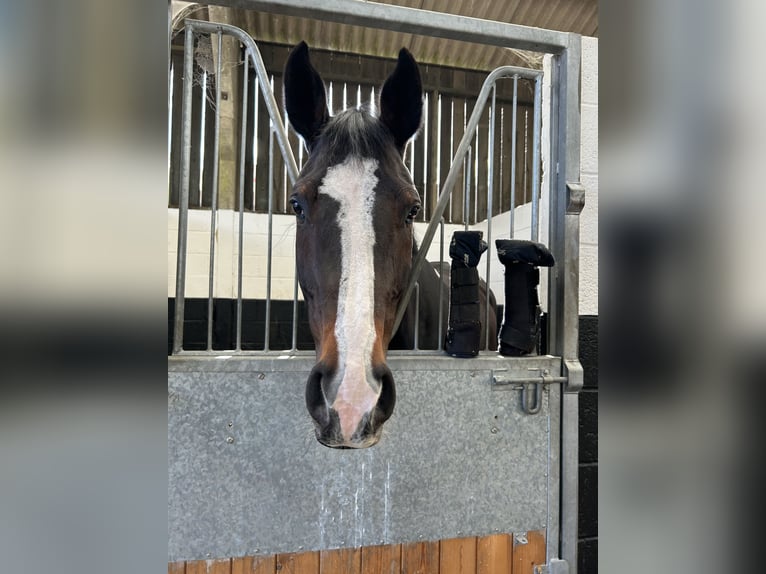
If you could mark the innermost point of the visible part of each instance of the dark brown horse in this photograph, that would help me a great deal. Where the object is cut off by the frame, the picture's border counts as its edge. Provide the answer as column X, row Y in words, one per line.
column 355, row 203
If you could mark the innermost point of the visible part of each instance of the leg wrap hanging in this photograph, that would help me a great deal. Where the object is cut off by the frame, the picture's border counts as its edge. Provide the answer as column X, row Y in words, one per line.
column 464, row 332
column 520, row 332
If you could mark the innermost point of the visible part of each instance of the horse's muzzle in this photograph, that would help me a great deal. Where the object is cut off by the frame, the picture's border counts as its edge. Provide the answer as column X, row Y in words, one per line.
column 327, row 422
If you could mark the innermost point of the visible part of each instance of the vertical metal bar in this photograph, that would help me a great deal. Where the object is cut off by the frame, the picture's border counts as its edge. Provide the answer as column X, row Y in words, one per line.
column 476, row 176
column 269, row 234
column 417, row 316
column 513, row 149
column 241, row 236
column 214, row 199
column 294, row 346
column 490, row 189
column 570, row 173
column 536, row 159
column 467, row 186
column 256, row 144
column 183, row 200
column 441, row 285
column 425, row 132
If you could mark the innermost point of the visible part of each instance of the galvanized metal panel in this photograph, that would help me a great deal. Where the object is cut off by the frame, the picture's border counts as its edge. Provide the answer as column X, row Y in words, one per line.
column 246, row 475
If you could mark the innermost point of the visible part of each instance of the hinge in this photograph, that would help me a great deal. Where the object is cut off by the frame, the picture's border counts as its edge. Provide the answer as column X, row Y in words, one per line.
column 574, row 376
column 555, row 566
column 575, row 197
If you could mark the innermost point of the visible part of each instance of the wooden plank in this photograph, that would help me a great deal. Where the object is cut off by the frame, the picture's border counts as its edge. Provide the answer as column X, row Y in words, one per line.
column 382, row 559
column 254, row 565
column 445, row 148
column 521, row 156
column 342, row 561
column 482, row 171
column 280, row 172
column 458, row 556
column 458, row 193
column 176, row 128
column 261, row 129
column 527, row 556
column 177, row 567
column 220, row 566
column 298, row 563
column 493, row 554
column 507, row 145
column 497, row 160
column 420, row 558
column 431, row 155
column 417, row 169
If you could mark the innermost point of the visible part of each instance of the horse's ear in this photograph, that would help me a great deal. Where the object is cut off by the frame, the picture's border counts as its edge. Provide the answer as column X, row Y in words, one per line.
column 401, row 100
column 305, row 98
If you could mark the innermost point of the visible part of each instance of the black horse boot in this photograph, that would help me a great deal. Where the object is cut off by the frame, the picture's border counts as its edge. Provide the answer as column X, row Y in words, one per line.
column 464, row 332
column 520, row 332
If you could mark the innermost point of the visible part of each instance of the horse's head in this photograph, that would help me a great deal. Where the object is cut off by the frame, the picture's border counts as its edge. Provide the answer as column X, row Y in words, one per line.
column 354, row 203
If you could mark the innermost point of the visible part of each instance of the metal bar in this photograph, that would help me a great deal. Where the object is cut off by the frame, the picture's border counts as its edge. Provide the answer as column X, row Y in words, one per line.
column 513, row 149
column 441, row 286
column 570, row 213
column 269, row 239
column 449, row 182
column 214, row 199
column 490, row 193
column 467, row 187
column 536, row 160
column 263, row 80
column 417, row 316
column 183, row 200
column 554, row 474
column 241, row 235
column 294, row 346
column 413, row 21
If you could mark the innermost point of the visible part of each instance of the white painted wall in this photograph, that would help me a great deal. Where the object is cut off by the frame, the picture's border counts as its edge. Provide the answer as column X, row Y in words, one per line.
column 256, row 227
column 589, row 179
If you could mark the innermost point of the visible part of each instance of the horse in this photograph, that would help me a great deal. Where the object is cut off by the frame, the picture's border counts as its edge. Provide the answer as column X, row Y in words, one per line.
column 355, row 203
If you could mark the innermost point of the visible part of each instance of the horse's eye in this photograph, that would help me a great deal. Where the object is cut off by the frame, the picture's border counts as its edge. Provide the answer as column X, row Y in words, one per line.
column 414, row 210
column 298, row 209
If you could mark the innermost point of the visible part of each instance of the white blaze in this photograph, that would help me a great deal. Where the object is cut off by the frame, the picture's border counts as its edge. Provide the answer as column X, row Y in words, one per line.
column 352, row 185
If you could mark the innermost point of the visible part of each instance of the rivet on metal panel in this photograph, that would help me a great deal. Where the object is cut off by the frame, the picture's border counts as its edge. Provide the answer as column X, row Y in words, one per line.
column 520, row 538
column 493, row 430
column 261, row 376
column 230, row 439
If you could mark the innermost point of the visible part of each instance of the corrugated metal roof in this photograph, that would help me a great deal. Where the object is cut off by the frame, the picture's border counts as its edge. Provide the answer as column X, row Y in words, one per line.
column 580, row 16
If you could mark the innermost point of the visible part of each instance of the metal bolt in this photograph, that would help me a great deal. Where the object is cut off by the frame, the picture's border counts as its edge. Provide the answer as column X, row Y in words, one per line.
column 231, row 424
column 493, row 430
column 261, row 376
column 230, row 439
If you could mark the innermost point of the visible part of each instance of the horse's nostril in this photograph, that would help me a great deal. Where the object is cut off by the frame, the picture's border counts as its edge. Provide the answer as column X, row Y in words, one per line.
column 387, row 398
column 315, row 399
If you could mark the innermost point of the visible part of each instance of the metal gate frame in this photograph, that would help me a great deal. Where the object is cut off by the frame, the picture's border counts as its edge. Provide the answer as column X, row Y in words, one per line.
column 566, row 203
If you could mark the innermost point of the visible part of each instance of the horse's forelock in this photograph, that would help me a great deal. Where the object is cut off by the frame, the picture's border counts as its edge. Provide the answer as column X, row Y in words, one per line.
column 355, row 132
